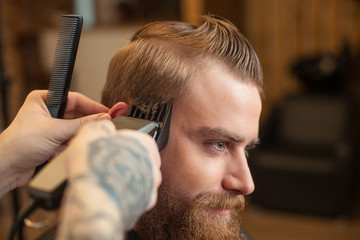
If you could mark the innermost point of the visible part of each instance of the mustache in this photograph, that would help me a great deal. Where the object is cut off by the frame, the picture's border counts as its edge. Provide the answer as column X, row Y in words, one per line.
column 219, row 201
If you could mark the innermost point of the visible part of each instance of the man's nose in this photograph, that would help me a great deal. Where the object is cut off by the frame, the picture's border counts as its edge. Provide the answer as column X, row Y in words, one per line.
column 238, row 179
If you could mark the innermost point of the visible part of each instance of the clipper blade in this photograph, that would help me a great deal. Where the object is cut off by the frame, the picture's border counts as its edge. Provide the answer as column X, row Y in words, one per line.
column 139, row 117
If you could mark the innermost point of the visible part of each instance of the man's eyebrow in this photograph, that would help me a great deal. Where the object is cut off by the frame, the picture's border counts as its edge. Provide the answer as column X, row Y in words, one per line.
column 218, row 133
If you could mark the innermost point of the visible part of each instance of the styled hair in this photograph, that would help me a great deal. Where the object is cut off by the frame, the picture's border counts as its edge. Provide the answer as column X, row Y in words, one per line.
column 163, row 57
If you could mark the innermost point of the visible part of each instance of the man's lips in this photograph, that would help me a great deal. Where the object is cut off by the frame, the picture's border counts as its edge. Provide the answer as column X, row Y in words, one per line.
column 222, row 213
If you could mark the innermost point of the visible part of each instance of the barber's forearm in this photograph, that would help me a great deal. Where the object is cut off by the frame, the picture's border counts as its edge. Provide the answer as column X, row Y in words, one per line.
column 89, row 213
column 107, row 198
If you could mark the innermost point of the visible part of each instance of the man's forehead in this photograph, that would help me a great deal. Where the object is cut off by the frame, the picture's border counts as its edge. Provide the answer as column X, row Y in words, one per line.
column 219, row 105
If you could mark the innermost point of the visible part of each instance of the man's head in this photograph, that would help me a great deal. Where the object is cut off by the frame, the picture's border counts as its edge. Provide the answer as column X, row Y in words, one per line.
column 163, row 57
column 215, row 79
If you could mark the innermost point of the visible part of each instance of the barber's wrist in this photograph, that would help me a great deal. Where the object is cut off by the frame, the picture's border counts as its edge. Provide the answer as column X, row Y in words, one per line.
column 14, row 172
column 8, row 177
column 7, row 181
column 85, row 199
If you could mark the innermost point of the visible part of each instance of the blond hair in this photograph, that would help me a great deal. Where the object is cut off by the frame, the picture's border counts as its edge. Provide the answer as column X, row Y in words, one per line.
column 162, row 57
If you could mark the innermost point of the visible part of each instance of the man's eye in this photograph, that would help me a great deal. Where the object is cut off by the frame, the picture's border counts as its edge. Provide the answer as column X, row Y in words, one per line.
column 219, row 146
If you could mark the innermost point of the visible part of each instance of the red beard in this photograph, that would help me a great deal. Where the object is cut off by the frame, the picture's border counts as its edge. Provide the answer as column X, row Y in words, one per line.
column 178, row 217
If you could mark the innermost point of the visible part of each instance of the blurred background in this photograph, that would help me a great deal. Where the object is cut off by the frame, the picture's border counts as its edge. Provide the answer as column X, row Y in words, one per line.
column 306, row 170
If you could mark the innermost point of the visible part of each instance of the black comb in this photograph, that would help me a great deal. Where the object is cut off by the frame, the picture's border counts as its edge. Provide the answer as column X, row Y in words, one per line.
column 63, row 65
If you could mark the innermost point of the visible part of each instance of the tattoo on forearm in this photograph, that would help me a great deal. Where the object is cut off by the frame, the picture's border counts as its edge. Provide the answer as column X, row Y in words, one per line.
column 115, row 191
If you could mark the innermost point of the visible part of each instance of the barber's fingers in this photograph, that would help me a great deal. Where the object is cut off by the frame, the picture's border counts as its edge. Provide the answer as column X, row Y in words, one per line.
column 96, row 129
column 80, row 122
column 79, row 105
column 68, row 128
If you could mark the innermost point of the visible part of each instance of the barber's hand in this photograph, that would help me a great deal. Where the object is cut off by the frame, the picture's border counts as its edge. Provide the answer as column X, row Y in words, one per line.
column 112, row 174
column 33, row 137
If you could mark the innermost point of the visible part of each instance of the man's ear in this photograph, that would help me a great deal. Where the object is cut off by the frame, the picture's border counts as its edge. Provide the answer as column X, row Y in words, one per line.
column 119, row 109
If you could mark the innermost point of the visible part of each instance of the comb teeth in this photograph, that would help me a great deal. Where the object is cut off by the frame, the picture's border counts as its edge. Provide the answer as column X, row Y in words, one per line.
column 155, row 112
column 63, row 65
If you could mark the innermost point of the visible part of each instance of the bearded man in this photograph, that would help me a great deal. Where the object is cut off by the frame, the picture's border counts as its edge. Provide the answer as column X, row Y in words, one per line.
column 215, row 80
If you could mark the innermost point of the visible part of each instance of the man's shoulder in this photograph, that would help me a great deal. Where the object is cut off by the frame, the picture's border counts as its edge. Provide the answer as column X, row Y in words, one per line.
column 247, row 237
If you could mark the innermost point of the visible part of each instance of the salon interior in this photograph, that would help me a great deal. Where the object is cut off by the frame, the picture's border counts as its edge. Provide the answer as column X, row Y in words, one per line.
column 307, row 167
